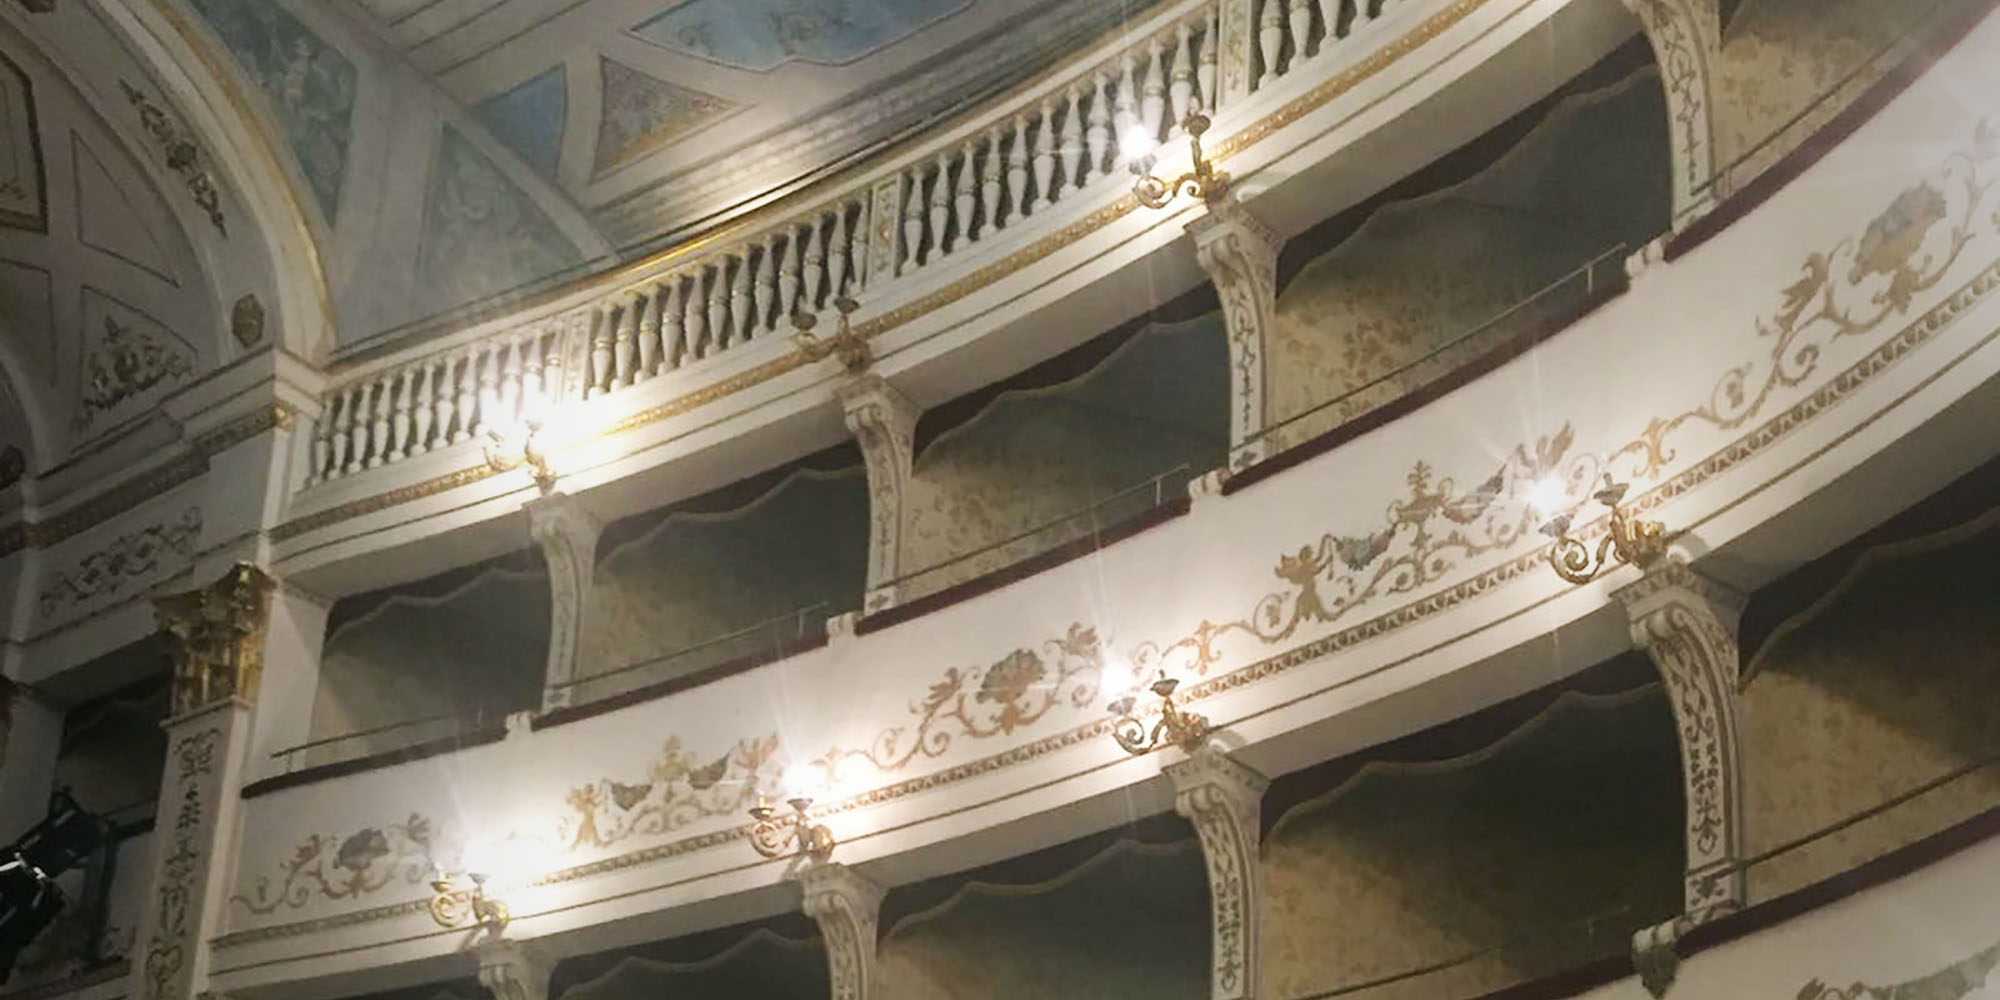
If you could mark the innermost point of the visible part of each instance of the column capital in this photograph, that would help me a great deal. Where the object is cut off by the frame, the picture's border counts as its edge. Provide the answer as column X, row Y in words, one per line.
column 846, row 906
column 1240, row 254
column 567, row 535
column 884, row 423
column 1687, row 624
column 512, row 970
column 215, row 637
column 1222, row 799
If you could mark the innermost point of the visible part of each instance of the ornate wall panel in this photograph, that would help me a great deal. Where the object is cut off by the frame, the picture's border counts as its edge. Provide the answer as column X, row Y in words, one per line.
column 1877, row 696
column 1402, row 301
column 22, row 192
column 1037, row 456
column 1132, row 921
column 1459, row 877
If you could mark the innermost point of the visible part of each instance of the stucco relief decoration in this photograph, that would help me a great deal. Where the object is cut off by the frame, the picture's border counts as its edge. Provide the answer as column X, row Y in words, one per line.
column 335, row 867
column 482, row 234
column 127, row 362
column 1963, row 980
column 129, row 561
column 166, row 951
column 1014, row 692
column 761, row 35
column 642, row 113
column 183, row 157
column 22, row 203
column 680, row 788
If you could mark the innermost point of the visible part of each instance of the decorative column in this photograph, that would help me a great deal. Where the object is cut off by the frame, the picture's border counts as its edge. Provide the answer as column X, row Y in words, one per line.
column 215, row 638
column 1686, row 36
column 845, row 905
column 511, row 970
column 1222, row 799
column 568, row 536
column 884, row 422
column 1240, row 254
column 1687, row 624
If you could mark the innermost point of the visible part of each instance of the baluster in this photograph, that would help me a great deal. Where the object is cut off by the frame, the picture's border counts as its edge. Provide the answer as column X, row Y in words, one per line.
column 913, row 219
column 965, row 196
column 556, row 361
column 815, row 256
column 1098, row 135
column 1271, row 36
column 1300, row 12
column 343, row 432
column 1329, row 16
column 510, row 379
column 674, row 345
column 1045, row 157
column 357, row 430
column 468, row 399
column 695, row 318
column 989, row 183
column 842, row 256
column 423, row 408
column 788, row 276
column 1125, row 107
column 740, row 325
column 488, row 366
column 766, row 292
column 322, row 443
column 1204, row 72
column 718, row 306
column 532, row 387
column 1072, row 138
column 941, row 205
column 649, row 333
column 399, row 427
column 603, row 349
column 1153, row 99
column 1180, row 87
column 858, row 240
column 1017, row 169
column 625, row 343
column 446, row 404
column 378, row 429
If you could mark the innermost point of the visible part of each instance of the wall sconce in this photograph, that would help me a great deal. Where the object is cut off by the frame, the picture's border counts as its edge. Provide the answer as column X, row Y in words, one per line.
column 1204, row 181
column 795, row 835
column 852, row 350
column 1628, row 539
column 1183, row 729
column 524, row 445
column 452, row 905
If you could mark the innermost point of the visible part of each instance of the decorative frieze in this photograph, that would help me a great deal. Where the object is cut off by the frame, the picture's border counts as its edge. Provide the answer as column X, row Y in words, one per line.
column 845, row 905
column 567, row 534
column 127, row 362
column 183, row 156
column 1687, row 624
column 1222, row 799
column 129, row 560
column 1240, row 254
column 215, row 638
column 884, row 422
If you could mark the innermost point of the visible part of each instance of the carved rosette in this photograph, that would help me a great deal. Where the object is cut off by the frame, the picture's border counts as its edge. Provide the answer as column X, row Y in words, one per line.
column 845, row 906
column 1222, row 799
column 511, row 970
column 884, row 422
column 215, row 637
column 567, row 535
column 1686, row 38
column 1240, row 254
column 1687, row 624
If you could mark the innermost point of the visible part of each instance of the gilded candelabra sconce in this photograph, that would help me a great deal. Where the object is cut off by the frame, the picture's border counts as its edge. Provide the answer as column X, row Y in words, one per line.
column 524, row 446
column 794, row 835
column 453, row 904
column 1177, row 726
column 1627, row 540
column 845, row 344
column 1204, row 181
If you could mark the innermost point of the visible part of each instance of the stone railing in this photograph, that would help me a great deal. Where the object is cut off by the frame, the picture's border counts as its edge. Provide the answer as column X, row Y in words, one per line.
column 997, row 177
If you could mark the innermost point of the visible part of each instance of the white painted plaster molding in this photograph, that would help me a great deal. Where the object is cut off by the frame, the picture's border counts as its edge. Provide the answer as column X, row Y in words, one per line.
column 846, row 906
column 1686, row 36
column 1221, row 798
column 567, row 535
column 1240, row 254
column 884, row 422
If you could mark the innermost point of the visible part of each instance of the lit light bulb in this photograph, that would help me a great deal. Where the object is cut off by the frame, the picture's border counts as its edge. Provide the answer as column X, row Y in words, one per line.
column 804, row 781
column 1136, row 145
column 1548, row 495
column 1116, row 679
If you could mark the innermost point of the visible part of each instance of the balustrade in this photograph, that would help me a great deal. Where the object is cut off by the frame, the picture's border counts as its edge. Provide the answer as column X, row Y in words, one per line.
column 980, row 182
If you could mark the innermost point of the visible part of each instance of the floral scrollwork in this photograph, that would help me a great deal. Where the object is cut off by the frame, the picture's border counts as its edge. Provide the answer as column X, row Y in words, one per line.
column 333, row 867
column 679, row 789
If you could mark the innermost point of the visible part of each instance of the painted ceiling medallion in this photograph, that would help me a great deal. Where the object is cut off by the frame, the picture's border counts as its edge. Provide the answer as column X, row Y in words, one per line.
column 761, row 35
column 642, row 113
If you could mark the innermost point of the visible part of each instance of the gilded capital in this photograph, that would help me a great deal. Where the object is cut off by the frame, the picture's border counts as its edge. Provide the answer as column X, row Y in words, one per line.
column 215, row 636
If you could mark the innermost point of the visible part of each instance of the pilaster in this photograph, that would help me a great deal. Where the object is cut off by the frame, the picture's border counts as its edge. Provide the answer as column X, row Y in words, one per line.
column 1222, row 799
column 215, row 637
column 846, row 906
column 567, row 535
column 511, row 970
column 1237, row 28
column 1686, row 36
column 884, row 422
column 1687, row 624
column 1240, row 254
